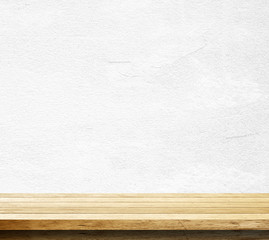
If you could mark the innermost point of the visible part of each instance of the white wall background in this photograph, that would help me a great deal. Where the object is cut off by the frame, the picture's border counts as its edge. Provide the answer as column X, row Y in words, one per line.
column 134, row 96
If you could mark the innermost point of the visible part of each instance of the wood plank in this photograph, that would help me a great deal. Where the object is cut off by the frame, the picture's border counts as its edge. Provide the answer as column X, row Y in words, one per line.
column 135, row 195
column 134, row 200
column 134, row 224
column 135, row 216
column 133, row 205
column 137, row 210
column 134, row 235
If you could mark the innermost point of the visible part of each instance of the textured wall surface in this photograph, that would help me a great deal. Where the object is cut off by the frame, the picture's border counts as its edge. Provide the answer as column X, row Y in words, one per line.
column 134, row 96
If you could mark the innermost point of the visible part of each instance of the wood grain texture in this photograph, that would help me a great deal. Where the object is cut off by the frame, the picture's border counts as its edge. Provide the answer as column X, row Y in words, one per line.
column 42, row 199
column 134, row 235
column 134, row 195
column 134, row 211
column 111, row 224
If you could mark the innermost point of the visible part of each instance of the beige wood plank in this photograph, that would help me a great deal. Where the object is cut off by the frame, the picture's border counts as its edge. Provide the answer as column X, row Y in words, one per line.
column 135, row 195
column 134, row 235
column 135, row 216
column 134, row 205
column 134, row 200
column 137, row 210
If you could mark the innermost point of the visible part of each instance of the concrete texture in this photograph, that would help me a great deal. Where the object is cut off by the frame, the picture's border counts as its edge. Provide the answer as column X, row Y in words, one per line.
column 134, row 96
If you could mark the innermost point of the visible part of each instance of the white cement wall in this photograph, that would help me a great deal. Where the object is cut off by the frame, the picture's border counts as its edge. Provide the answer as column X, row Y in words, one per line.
column 134, row 96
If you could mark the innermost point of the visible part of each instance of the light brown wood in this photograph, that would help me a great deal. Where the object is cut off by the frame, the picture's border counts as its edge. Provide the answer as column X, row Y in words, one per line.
column 135, row 216
column 97, row 204
column 134, row 235
column 131, row 200
column 134, row 211
column 112, row 224
column 134, row 195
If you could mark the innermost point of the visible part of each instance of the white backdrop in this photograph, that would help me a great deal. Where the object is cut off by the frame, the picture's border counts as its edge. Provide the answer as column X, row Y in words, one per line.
column 134, row 96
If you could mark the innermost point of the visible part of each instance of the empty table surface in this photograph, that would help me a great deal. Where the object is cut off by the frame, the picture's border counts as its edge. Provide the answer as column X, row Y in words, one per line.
column 150, row 211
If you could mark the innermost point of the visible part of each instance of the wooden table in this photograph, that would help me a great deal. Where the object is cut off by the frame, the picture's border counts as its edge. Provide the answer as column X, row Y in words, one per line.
column 134, row 212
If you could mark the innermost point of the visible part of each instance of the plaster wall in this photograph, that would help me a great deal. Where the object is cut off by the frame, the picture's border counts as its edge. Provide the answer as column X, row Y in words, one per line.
column 134, row 96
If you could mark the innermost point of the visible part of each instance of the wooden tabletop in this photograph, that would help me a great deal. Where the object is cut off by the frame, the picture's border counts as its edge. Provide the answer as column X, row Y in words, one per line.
column 134, row 211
